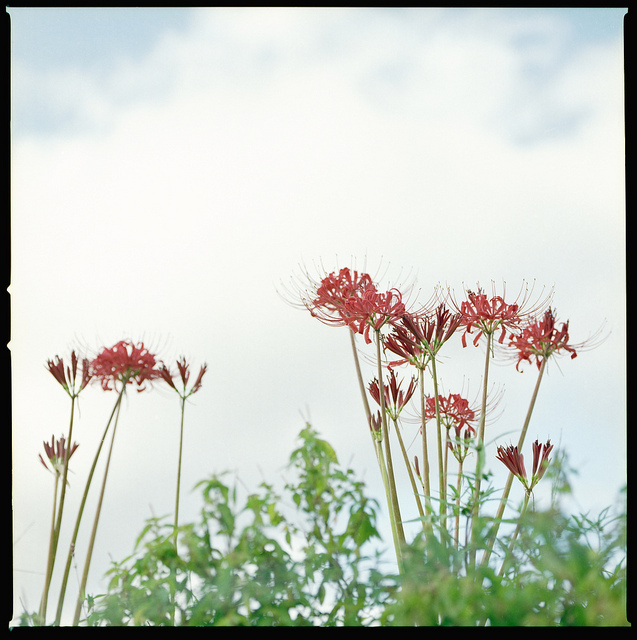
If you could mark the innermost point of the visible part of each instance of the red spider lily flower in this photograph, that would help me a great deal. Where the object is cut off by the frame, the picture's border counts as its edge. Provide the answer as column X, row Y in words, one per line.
column 540, row 460
column 432, row 330
column 540, row 339
column 395, row 398
column 460, row 445
column 334, row 291
column 125, row 362
column 455, row 412
column 67, row 377
column 184, row 373
column 372, row 310
column 488, row 316
column 418, row 336
column 402, row 344
column 492, row 314
column 57, row 454
column 514, row 461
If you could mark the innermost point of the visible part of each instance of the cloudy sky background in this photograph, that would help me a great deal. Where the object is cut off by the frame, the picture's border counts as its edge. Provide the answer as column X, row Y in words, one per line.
column 171, row 169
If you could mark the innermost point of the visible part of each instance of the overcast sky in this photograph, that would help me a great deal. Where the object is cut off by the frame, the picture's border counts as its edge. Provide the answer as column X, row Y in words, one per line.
column 171, row 169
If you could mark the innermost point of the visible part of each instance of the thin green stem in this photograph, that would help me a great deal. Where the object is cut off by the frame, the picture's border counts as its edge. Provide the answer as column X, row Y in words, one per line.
column 53, row 546
column 459, row 487
column 393, row 506
column 509, row 482
column 392, row 519
column 71, row 552
column 359, row 376
column 480, row 452
column 89, row 553
column 425, row 452
column 181, row 442
column 176, row 524
column 410, row 472
column 505, row 562
column 49, row 562
column 442, row 489
column 361, row 386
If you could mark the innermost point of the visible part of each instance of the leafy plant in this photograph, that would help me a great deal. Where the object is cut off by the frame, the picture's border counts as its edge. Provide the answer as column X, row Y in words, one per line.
column 248, row 563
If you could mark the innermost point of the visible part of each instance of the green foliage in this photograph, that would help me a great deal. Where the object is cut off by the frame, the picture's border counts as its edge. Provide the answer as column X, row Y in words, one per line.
column 247, row 563
column 307, row 557
column 561, row 571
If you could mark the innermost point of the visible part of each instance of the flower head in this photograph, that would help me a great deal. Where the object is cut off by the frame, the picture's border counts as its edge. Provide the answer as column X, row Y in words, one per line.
column 371, row 309
column 456, row 415
column 333, row 293
column 67, row 376
column 184, row 373
column 419, row 336
column 514, row 462
column 540, row 460
column 490, row 315
column 57, row 454
column 395, row 399
column 540, row 339
column 125, row 362
column 455, row 412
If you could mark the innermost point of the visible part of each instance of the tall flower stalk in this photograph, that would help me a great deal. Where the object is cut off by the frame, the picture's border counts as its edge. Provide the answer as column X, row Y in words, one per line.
column 513, row 459
column 348, row 298
column 78, row 520
column 487, row 316
column 418, row 338
column 73, row 385
column 58, row 455
column 125, row 363
column 184, row 394
column 395, row 401
column 536, row 342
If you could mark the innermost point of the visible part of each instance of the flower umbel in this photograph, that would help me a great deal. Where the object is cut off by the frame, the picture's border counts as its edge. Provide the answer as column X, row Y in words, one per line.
column 67, row 376
column 455, row 412
column 514, row 462
column 540, row 339
column 333, row 293
column 540, row 460
column 395, row 398
column 57, row 454
column 125, row 362
column 184, row 374
column 372, row 310
column 488, row 315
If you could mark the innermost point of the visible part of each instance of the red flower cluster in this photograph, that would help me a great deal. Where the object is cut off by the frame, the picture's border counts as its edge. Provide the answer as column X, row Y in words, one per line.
column 125, row 362
column 488, row 316
column 372, row 310
column 540, row 339
column 57, row 453
column 514, row 462
column 183, row 367
column 333, row 293
column 418, row 336
column 455, row 412
column 351, row 299
column 67, row 377
column 395, row 399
